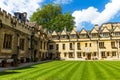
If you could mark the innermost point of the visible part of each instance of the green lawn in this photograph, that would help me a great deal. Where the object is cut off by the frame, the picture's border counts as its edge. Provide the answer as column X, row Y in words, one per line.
column 66, row 70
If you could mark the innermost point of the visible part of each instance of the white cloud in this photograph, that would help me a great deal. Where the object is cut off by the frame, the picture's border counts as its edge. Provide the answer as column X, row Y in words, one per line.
column 92, row 15
column 28, row 6
column 62, row 1
column 85, row 15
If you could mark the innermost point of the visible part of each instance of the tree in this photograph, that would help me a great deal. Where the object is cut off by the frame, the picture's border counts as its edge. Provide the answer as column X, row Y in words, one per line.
column 50, row 16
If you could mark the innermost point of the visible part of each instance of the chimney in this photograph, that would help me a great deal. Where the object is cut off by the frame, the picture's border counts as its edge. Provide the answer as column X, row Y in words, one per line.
column 74, row 28
column 21, row 16
column 65, row 28
column 96, row 26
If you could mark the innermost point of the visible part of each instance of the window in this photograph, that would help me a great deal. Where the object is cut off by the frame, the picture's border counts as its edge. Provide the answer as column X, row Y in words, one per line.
column 22, row 43
column 83, row 35
column 85, row 44
column 119, row 44
column 57, row 46
column 7, row 41
column 40, row 44
column 35, row 42
column 108, row 54
column 63, row 46
column 79, row 54
column 71, row 46
column 51, row 47
column 84, row 54
column 0, row 22
column 70, row 55
column 90, row 44
column 64, row 36
column 113, row 53
column 94, row 35
column 103, row 54
column 73, row 36
column 112, row 44
column 78, row 46
column 117, row 33
column 101, row 44
column 55, row 37
column 65, row 54
column 105, row 34
column 94, row 53
column 44, row 45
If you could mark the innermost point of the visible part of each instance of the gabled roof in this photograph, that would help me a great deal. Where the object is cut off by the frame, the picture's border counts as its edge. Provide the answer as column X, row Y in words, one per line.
column 94, row 30
column 63, row 32
column 105, row 30
column 73, row 32
column 83, row 31
column 54, row 33
column 117, row 29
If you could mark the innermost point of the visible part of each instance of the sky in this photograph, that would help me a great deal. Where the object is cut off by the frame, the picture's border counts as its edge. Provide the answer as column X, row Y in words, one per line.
column 87, row 13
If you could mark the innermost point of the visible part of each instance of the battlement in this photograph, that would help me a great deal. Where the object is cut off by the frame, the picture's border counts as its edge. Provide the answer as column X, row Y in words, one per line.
column 12, row 21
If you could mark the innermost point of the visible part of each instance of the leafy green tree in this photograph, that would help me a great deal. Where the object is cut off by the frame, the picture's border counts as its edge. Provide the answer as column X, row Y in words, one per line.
column 50, row 16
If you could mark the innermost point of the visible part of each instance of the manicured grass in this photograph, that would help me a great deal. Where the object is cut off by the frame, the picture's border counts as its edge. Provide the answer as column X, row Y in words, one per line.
column 66, row 70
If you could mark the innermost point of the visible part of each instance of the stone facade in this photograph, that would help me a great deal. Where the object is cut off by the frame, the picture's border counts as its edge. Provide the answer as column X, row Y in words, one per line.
column 100, row 43
column 29, row 40
column 23, row 39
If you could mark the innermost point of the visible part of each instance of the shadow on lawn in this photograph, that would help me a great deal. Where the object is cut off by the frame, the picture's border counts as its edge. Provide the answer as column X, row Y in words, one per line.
column 27, row 67
column 6, row 73
column 32, row 66
column 14, row 71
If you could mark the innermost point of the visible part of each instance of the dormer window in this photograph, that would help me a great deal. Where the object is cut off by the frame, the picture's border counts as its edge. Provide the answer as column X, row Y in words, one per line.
column 117, row 33
column 72, row 36
column 105, row 34
column 55, row 37
column 83, row 35
column 94, row 34
column 64, row 36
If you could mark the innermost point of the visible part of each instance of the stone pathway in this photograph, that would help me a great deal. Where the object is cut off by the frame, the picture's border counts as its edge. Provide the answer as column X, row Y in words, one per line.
column 22, row 65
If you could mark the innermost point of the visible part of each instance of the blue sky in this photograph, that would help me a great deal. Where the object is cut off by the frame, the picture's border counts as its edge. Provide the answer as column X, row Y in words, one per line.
column 86, row 12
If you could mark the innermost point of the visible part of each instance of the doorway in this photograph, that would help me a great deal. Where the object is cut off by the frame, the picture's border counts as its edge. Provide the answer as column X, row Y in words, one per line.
column 89, row 56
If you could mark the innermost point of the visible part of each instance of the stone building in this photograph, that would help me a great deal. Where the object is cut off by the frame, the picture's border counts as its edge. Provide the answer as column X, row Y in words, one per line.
column 100, row 43
column 27, row 40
